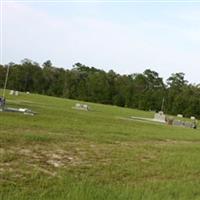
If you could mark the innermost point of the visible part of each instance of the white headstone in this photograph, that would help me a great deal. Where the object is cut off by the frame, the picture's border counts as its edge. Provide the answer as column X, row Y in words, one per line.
column 180, row 115
column 85, row 107
column 160, row 116
column 11, row 92
column 81, row 106
column 192, row 118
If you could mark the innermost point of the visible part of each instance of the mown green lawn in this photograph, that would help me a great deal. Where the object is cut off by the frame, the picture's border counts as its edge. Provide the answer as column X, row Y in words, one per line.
column 63, row 153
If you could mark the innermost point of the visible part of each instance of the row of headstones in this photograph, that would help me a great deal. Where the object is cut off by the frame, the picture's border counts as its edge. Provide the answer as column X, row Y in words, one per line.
column 184, row 124
column 82, row 106
column 14, row 93
column 181, row 116
column 176, row 122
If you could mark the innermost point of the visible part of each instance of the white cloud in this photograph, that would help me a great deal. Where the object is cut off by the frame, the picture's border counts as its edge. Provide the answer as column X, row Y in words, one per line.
column 102, row 43
column 188, row 15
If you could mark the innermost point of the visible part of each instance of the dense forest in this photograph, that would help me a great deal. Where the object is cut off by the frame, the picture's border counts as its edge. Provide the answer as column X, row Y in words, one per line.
column 146, row 91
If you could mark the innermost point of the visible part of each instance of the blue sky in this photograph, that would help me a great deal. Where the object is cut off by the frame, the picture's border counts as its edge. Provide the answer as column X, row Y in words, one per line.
column 125, row 37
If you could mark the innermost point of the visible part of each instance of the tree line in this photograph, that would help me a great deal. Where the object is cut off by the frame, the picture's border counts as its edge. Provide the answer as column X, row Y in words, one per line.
column 145, row 91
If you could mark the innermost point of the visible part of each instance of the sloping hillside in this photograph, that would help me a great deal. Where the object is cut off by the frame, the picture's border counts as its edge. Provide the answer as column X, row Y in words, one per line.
column 64, row 153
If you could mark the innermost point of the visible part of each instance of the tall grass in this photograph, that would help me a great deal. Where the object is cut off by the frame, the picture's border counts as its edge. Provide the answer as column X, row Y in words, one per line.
column 63, row 153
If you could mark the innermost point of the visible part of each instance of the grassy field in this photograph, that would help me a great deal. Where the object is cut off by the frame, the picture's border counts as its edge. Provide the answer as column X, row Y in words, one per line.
column 63, row 153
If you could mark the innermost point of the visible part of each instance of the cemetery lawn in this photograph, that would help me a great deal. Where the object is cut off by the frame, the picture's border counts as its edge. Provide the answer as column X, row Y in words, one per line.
column 63, row 153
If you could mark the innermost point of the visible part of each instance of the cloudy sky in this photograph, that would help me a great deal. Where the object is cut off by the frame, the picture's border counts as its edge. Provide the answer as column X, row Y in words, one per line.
column 127, row 37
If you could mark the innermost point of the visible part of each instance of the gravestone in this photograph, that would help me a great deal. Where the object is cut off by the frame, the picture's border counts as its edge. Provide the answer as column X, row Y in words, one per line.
column 82, row 107
column 188, row 125
column 180, row 115
column 160, row 117
column 177, row 123
column 11, row 92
